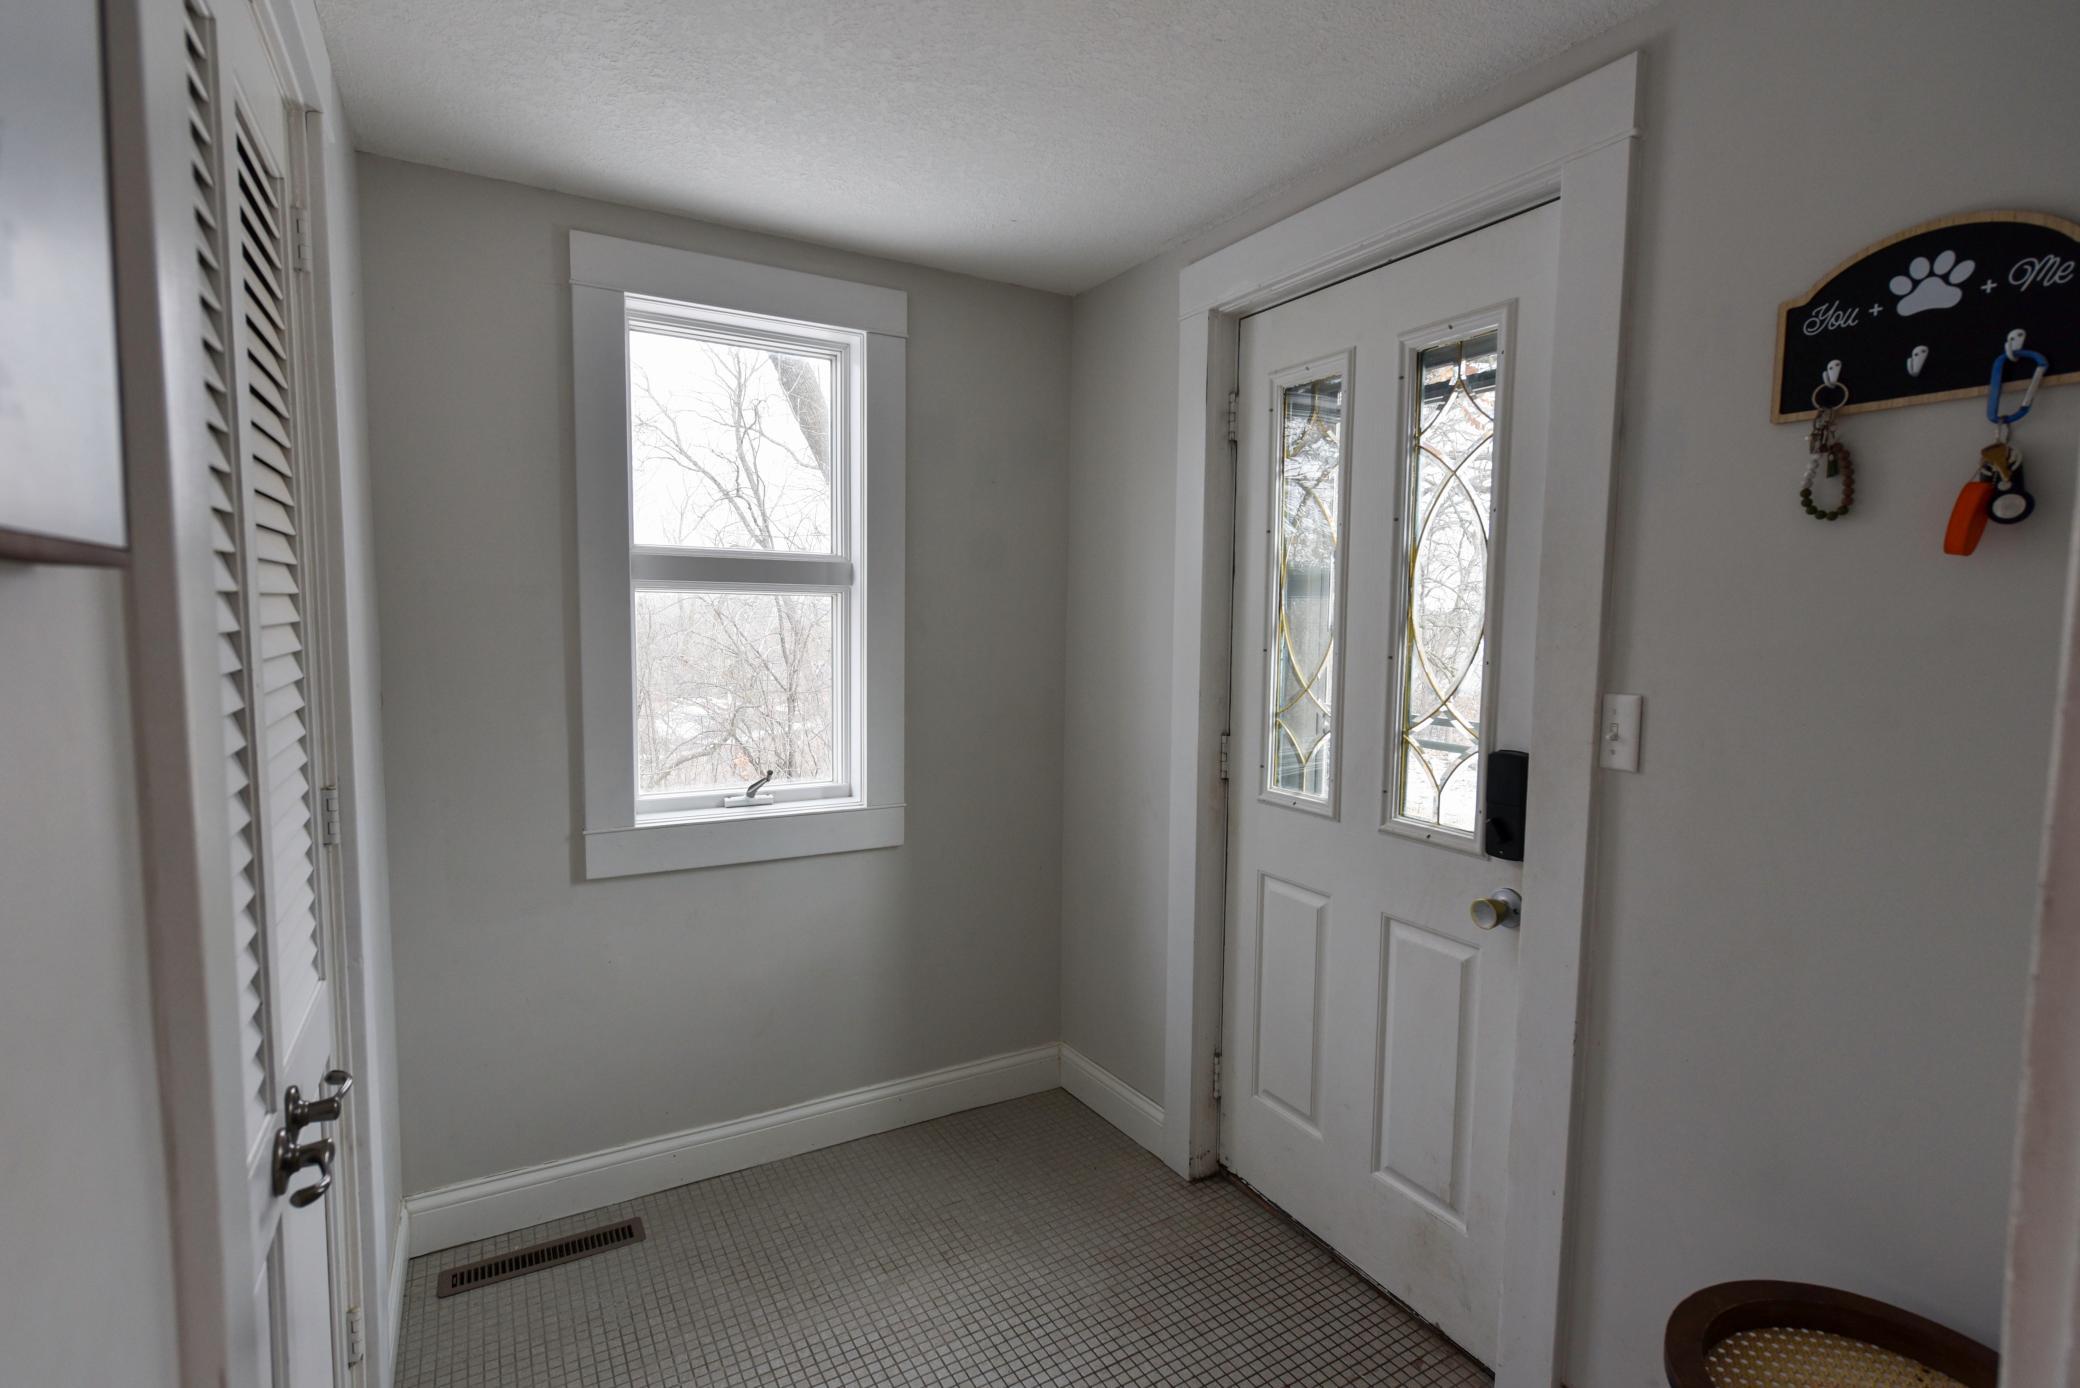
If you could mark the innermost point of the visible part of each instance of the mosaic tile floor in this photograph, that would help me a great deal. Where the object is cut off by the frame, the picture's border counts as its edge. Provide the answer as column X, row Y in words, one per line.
column 1025, row 1243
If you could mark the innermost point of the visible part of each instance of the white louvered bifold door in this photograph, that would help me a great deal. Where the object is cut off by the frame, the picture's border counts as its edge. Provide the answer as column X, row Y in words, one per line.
column 240, row 131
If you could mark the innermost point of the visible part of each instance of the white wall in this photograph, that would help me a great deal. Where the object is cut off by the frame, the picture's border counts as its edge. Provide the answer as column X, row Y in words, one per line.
column 1806, row 976
column 86, row 1286
column 1115, row 775
column 539, row 1016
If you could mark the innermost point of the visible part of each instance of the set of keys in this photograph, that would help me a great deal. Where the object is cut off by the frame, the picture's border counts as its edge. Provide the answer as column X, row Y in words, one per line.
column 1996, row 493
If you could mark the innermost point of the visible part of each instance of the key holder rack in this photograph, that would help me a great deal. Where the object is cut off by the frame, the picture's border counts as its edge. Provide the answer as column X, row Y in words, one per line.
column 1915, row 318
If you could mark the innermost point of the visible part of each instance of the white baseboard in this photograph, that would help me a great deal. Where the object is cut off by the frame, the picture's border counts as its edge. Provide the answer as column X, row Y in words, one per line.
column 393, row 1293
column 500, row 1204
column 1113, row 1099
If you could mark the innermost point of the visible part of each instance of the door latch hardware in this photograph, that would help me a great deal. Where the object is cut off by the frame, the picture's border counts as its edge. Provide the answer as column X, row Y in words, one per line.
column 299, row 1112
column 1503, row 908
column 290, row 1158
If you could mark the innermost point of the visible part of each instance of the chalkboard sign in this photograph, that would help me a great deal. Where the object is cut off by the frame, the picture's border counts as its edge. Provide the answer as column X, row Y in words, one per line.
column 1920, row 316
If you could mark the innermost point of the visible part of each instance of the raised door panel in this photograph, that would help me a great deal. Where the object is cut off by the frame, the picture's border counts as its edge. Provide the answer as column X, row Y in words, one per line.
column 1425, row 1070
column 1292, row 924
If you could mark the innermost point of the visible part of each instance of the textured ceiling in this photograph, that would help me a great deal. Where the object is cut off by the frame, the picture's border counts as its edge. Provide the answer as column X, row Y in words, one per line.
column 1047, row 142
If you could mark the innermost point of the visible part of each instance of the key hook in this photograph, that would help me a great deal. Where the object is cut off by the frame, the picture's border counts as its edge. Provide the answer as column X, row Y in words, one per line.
column 1831, row 379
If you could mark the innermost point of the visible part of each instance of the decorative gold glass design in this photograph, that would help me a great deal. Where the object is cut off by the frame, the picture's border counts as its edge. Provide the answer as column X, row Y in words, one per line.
column 1447, row 555
column 1303, row 602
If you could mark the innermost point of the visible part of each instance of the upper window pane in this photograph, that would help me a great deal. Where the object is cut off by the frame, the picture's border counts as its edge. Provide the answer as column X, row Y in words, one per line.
column 731, row 446
column 1303, row 611
column 1447, row 552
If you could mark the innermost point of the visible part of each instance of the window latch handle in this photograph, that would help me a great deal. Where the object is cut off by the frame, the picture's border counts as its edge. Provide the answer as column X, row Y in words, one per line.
column 751, row 794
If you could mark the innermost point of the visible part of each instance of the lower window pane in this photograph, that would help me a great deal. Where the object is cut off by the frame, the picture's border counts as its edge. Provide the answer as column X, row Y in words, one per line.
column 732, row 685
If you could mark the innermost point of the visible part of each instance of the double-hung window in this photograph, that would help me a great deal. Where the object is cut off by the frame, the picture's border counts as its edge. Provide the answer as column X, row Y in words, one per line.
column 740, row 510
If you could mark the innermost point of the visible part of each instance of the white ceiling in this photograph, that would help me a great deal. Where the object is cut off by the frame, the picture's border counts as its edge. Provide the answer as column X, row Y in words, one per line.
column 1047, row 142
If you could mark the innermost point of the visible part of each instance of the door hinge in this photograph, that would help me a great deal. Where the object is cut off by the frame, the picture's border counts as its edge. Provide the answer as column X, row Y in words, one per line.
column 328, row 816
column 1216, row 1076
column 1234, row 404
column 300, row 232
column 1224, row 756
column 357, row 1340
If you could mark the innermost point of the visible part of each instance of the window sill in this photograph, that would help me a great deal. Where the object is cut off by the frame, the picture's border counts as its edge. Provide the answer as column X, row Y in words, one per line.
column 683, row 842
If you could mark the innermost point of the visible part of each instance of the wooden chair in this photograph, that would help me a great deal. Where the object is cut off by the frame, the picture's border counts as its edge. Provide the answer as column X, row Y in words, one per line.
column 1752, row 1334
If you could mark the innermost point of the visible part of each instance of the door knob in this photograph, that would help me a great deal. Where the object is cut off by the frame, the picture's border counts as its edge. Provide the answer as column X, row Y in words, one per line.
column 1503, row 908
column 290, row 1158
column 299, row 1112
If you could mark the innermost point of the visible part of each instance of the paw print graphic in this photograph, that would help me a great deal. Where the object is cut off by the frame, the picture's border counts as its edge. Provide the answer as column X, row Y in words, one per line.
column 1928, row 285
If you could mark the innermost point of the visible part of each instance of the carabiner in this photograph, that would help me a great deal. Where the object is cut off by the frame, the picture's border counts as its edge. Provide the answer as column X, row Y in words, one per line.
column 2029, row 396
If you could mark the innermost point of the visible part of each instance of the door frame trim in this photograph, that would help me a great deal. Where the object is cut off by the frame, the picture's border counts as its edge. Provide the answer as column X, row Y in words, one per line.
column 1578, row 143
column 2040, row 1324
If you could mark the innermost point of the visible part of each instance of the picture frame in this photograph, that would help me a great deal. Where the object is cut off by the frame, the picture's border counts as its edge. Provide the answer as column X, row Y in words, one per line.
column 61, row 455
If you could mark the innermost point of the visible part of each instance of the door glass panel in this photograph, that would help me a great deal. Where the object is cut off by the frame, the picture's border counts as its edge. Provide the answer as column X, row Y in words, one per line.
column 1303, row 608
column 730, row 446
column 1446, row 549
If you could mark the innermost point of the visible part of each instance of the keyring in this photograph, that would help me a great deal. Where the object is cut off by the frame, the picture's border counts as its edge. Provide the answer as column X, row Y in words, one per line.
column 1823, row 386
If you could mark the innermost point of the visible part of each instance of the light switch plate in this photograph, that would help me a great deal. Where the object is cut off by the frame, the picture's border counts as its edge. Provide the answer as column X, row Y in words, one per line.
column 1617, row 739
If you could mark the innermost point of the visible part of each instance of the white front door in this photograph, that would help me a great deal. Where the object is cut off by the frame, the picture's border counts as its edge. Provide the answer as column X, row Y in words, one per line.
column 1389, row 490
column 264, row 506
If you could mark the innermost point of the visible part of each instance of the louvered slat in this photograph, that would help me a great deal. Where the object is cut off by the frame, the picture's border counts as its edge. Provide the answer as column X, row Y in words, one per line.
column 280, row 672
column 279, row 640
column 279, row 579
column 276, row 707
column 262, row 282
column 274, row 358
column 269, row 380
column 272, row 515
column 274, row 547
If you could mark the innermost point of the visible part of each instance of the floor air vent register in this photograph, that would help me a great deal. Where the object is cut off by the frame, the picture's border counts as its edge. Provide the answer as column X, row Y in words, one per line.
column 535, row 1257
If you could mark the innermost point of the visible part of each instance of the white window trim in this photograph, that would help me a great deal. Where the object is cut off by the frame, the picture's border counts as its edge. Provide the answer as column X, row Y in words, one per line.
column 606, row 273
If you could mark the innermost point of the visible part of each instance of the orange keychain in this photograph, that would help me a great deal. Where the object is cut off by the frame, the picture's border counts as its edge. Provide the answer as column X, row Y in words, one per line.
column 1968, row 517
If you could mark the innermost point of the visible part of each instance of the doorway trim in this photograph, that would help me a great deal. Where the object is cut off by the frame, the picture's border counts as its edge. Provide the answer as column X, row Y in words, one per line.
column 1576, row 143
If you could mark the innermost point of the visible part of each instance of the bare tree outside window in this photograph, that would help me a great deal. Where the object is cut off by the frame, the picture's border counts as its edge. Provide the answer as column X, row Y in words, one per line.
column 731, row 450
column 1448, row 555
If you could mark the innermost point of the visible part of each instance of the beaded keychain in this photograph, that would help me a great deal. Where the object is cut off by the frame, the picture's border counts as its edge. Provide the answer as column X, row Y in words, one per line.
column 1822, row 444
